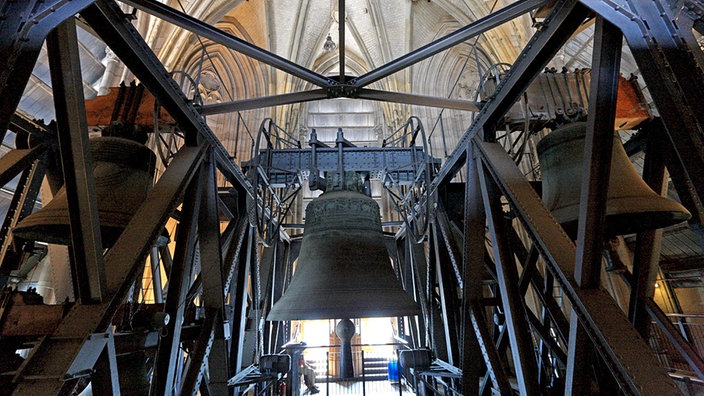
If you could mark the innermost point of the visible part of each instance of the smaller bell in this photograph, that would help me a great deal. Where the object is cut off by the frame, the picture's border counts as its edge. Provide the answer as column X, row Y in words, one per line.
column 123, row 171
column 632, row 206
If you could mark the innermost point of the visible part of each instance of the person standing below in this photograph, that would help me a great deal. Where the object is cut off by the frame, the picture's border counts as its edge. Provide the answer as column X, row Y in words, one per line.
column 308, row 375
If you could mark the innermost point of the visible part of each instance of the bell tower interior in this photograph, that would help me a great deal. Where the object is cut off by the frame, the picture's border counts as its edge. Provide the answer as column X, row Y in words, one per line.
column 291, row 197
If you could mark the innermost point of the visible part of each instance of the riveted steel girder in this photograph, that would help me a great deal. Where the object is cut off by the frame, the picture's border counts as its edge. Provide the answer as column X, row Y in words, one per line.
column 627, row 355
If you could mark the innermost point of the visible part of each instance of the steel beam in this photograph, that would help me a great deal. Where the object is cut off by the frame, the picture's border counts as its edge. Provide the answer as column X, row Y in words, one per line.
column 546, row 339
column 647, row 250
column 202, row 29
column 420, row 274
column 511, row 298
column 155, row 267
column 455, row 255
column 105, row 380
column 72, row 131
column 473, row 253
column 342, row 24
column 169, row 352
column 474, row 29
column 265, row 101
column 628, row 357
column 494, row 366
column 448, row 296
column 544, row 363
column 683, row 346
column 15, row 161
column 211, row 347
column 231, row 255
column 418, row 100
column 239, row 297
column 596, row 167
column 268, row 267
column 21, row 205
column 283, row 250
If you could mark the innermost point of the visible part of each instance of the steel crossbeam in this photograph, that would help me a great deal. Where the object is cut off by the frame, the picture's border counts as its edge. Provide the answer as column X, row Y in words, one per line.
column 474, row 29
column 285, row 164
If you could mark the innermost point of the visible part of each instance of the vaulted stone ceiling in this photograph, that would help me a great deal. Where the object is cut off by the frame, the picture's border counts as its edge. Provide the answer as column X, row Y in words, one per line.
column 376, row 32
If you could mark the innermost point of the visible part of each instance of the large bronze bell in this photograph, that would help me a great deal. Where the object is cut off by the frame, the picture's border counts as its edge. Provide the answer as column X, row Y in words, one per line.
column 344, row 270
column 123, row 171
column 632, row 205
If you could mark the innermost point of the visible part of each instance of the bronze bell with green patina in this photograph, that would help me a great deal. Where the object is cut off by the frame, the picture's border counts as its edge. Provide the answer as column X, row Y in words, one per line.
column 344, row 269
column 632, row 206
column 123, row 171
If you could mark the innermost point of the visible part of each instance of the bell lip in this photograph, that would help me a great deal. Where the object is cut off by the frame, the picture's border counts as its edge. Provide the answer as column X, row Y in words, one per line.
column 312, row 305
column 310, row 314
column 60, row 234
column 633, row 222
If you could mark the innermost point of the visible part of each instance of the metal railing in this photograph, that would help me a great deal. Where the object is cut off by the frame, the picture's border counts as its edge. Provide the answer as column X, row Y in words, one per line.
column 691, row 327
column 371, row 369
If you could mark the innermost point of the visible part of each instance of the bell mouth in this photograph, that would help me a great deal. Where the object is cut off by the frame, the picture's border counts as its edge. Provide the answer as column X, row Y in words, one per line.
column 625, row 223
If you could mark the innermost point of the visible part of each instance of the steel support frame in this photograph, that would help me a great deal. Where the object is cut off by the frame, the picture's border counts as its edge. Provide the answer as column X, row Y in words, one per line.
column 419, row 263
column 72, row 130
column 647, row 250
column 169, row 352
column 202, row 29
column 211, row 348
column 122, row 263
column 596, row 167
column 473, row 252
column 454, row 161
column 447, row 292
column 494, row 365
column 565, row 18
column 111, row 24
column 239, row 297
column 270, row 260
column 21, row 206
column 341, row 88
column 511, row 299
column 626, row 354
